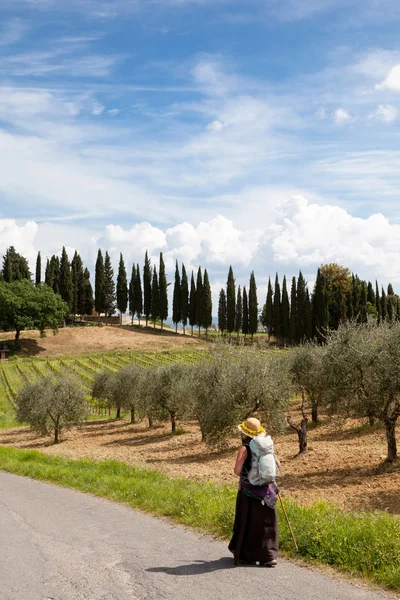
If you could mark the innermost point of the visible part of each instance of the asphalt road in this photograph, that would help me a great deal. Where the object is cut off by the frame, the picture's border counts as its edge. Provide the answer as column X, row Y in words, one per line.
column 63, row 545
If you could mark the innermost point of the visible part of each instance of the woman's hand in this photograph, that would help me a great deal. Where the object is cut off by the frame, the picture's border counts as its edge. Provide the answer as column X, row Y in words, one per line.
column 241, row 457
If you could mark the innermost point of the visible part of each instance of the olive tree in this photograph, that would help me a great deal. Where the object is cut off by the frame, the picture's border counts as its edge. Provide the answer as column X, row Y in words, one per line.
column 236, row 383
column 362, row 366
column 49, row 405
column 306, row 366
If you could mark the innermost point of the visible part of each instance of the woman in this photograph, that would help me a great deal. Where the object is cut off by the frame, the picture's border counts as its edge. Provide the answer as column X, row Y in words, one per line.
column 255, row 531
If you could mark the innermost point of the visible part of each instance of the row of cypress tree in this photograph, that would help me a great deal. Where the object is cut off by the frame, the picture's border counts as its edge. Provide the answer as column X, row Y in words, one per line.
column 238, row 312
column 192, row 306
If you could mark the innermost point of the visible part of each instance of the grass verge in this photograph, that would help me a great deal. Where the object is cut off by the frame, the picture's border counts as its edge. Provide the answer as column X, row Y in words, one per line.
column 365, row 544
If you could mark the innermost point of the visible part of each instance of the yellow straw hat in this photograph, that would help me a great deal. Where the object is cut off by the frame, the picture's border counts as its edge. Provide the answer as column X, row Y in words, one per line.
column 251, row 427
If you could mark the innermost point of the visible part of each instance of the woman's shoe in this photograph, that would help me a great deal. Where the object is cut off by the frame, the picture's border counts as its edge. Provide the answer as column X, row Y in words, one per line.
column 270, row 564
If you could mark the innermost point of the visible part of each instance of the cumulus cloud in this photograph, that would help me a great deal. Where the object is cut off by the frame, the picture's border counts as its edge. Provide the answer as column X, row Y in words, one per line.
column 392, row 81
column 23, row 237
column 386, row 113
column 311, row 234
column 215, row 126
column 341, row 116
column 97, row 108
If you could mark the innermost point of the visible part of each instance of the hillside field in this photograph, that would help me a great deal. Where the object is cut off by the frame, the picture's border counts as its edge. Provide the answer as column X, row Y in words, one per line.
column 343, row 465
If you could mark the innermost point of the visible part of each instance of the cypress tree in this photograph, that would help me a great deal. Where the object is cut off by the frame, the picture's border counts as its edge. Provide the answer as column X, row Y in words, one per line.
column 199, row 299
column 47, row 274
column 222, row 311
column 370, row 294
column 162, row 286
column 230, row 301
column 320, row 314
column 192, row 303
column 15, row 266
column 253, row 306
column 87, row 294
column 132, row 291
column 55, row 274
column 342, row 305
column 155, row 297
column 301, row 308
column 356, row 290
column 74, row 307
column 122, row 286
column 77, row 273
column 397, row 308
column 7, row 267
column 384, row 311
column 293, row 311
column 277, row 312
column 362, row 314
column 99, row 284
column 147, row 287
column 245, row 326
column 378, row 303
column 391, row 306
column 138, row 294
column 184, row 302
column 349, row 306
column 307, row 317
column 207, row 303
column 176, row 301
column 109, row 286
column 65, row 285
column 267, row 312
column 38, row 275
column 285, row 316
column 390, row 291
column 239, row 311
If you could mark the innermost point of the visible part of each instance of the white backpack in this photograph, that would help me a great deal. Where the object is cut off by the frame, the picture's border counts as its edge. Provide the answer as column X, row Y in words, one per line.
column 263, row 465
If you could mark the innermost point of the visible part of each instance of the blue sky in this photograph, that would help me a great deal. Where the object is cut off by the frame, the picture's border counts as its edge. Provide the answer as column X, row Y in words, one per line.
column 262, row 134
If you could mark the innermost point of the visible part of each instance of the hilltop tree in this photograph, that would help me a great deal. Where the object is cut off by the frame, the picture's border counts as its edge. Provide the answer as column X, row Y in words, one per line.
column 308, row 317
column 155, row 297
column 176, row 300
column 301, row 301
column 25, row 306
column 99, row 284
column 239, row 311
column 52, row 275
column 285, row 314
column 267, row 316
column 87, row 294
column 207, row 303
column 138, row 293
column 383, row 306
column 184, row 300
column 77, row 274
column 320, row 312
column 109, row 286
column 66, row 288
column 230, row 302
column 38, row 274
column 147, row 287
column 378, row 303
column 222, row 311
column 277, row 312
column 253, row 306
column 199, row 299
column 131, row 292
column 192, row 303
column 293, row 311
column 122, row 287
column 362, row 314
column 15, row 266
column 162, row 286
column 245, row 326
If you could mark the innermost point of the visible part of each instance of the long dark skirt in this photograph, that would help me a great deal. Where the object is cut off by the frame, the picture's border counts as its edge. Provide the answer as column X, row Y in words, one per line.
column 255, row 531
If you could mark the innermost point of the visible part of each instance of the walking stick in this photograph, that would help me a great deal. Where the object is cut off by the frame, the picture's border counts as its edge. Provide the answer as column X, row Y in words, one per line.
column 288, row 522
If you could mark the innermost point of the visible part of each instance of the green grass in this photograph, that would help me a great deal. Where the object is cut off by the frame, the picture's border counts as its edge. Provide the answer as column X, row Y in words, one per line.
column 366, row 544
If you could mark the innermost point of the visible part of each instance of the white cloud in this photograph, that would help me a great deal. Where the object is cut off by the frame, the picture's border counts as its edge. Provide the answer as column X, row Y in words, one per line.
column 385, row 112
column 97, row 108
column 392, row 81
column 215, row 126
column 23, row 237
column 113, row 112
column 341, row 116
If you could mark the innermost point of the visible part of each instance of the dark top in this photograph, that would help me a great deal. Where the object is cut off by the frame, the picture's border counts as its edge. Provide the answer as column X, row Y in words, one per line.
column 247, row 463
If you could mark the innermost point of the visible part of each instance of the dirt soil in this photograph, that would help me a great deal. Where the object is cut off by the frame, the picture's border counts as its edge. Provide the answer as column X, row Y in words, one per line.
column 343, row 465
column 78, row 340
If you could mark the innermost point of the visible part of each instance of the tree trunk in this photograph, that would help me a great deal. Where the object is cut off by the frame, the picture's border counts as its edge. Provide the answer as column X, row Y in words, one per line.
column 162, row 324
column 314, row 412
column 56, row 432
column 150, row 418
column 371, row 418
column 133, row 414
column 118, row 415
column 173, row 420
column 176, row 327
column 192, row 330
column 390, row 430
column 17, row 334
column 302, row 434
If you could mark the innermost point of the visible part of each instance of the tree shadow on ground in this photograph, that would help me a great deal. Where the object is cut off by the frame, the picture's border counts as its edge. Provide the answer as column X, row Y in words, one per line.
column 142, row 441
column 349, row 434
column 25, row 347
column 199, row 567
